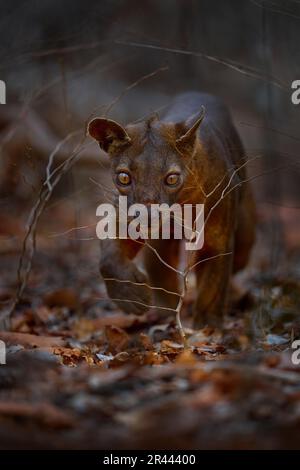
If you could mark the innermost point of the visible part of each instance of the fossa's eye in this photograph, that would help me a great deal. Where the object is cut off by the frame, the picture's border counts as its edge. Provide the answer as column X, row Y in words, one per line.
column 124, row 178
column 172, row 179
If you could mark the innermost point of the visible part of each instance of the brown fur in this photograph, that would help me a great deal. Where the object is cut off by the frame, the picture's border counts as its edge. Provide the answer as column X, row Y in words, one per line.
column 206, row 154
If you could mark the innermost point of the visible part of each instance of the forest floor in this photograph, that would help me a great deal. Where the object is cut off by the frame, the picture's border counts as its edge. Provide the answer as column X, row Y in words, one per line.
column 82, row 374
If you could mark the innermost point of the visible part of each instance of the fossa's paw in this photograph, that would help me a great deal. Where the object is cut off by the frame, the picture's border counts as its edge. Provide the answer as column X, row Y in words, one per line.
column 126, row 287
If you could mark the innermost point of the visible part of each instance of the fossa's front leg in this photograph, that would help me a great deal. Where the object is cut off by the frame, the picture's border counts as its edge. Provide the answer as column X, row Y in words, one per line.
column 213, row 279
column 213, row 275
column 160, row 275
column 124, row 281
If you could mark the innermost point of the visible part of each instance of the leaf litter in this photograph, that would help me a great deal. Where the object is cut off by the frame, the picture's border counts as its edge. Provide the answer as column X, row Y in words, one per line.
column 82, row 374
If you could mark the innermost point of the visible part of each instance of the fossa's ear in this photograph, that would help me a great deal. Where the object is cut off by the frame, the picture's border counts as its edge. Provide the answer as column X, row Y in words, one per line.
column 187, row 140
column 110, row 135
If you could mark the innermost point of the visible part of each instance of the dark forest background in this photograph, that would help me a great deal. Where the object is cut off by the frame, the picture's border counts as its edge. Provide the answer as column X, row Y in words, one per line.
column 66, row 57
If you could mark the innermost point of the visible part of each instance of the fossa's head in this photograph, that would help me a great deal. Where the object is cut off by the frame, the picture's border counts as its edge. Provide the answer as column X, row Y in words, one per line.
column 150, row 160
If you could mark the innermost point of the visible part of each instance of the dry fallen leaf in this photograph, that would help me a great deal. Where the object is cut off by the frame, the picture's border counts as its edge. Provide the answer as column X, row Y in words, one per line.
column 43, row 313
column 28, row 340
column 117, row 338
column 186, row 357
column 146, row 342
column 64, row 297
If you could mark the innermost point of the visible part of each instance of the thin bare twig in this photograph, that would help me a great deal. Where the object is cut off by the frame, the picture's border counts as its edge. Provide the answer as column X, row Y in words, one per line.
column 242, row 69
column 127, row 281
